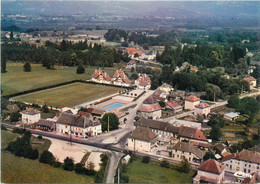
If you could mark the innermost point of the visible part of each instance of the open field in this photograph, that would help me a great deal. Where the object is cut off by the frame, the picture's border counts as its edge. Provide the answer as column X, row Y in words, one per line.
column 21, row 170
column 152, row 172
column 69, row 95
column 16, row 80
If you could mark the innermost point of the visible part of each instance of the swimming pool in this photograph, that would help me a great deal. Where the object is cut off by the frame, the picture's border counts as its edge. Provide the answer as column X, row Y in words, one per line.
column 114, row 105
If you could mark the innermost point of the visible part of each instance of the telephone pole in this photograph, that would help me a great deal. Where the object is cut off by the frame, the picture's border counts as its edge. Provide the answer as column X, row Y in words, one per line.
column 108, row 124
column 118, row 176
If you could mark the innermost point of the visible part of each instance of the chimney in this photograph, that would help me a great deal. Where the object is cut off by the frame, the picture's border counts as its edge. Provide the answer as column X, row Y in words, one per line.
column 85, row 121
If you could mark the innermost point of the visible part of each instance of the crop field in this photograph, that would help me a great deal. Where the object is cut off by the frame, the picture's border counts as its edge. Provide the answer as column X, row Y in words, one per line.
column 68, row 95
column 16, row 80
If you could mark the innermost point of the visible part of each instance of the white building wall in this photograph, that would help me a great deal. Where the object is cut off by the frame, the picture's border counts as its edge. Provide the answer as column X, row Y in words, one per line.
column 218, row 177
column 204, row 111
column 179, row 155
column 138, row 145
column 26, row 118
column 234, row 165
column 190, row 105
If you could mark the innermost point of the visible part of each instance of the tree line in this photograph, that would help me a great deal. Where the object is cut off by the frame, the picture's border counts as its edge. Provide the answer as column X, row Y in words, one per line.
column 66, row 53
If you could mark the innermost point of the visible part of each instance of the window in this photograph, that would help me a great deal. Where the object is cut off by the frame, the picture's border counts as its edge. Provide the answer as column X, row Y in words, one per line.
column 245, row 165
column 249, row 165
column 227, row 165
column 190, row 153
column 257, row 167
column 66, row 126
column 245, row 170
column 248, row 170
column 238, row 168
column 230, row 166
column 189, row 159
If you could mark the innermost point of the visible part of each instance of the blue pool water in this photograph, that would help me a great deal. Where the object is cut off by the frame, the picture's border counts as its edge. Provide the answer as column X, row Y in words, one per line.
column 114, row 105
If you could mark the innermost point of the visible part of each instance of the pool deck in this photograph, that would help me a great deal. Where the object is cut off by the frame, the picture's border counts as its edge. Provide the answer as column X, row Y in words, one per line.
column 102, row 105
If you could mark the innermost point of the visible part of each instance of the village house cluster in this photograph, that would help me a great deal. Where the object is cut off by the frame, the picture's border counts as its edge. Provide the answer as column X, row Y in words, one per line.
column 121, row 79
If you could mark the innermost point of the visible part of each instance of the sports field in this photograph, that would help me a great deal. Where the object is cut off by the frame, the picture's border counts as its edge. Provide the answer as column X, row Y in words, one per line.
column 68, row 95
column 16, row 80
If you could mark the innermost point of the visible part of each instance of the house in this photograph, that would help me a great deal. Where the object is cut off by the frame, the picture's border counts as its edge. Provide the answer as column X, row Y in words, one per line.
column 141, row 139
column 120, row 79
column 246, row 161
column 192, row 134
column 191, row 102
column 131, row 64
column 251, row 81
column 133, row 51
column 186, row 150
column 11, row 109
column 86, row 114
column 255, row 178
column 210, row 171
column 174, row 106
column 143, row 82
column 153, row 111
column 158, row 127
column 69, row 110
column 46, row 125
column 202, row 109
column 220, row 149
column 79, row 126
column 166, row 88
column 30, row 115
column 231, row 116
column 101, row 77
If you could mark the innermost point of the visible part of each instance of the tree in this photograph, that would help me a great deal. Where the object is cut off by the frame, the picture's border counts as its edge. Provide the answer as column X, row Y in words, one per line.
column 146, row 159
column 209, row 155
column 136, row 55
column 215, row 133
column 3, row 62
column 27, row 67
column 34, row 154
column 233, row 101
column 146, row 46
column 45, row 108
column 14, row 117
column 110, row 118
column 184, row 166
column 258, row 98
column 79, row 168
column 68, row 164
column 248, row 106
column 80, row 69
column 47, row 158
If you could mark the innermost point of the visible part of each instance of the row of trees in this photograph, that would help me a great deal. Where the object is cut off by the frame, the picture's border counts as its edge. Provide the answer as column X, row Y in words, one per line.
column 66, row 54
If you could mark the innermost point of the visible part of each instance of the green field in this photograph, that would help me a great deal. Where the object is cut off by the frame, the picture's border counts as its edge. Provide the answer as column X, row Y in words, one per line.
column 16, row 80
column 21, row 170
column 139, row 172
column 69, row 95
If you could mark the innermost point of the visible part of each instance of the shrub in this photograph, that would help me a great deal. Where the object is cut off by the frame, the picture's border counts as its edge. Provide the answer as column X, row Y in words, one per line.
column 80, row 69
column 184, row 166
column 165, row 164
column 79, row 168
column 3, row 127
column 146, row 159
column 27, row 67
column 45, row 108
column 68, row 164
column 39, row 137
column 47, row 158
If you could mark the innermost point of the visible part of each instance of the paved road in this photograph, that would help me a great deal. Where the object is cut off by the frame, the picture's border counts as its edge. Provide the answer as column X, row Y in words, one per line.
column 112, row 167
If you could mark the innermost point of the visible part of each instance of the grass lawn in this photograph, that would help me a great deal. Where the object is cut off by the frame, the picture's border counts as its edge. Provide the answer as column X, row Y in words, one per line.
column 21, row 170
column 139, row 172
column 16, row 80
column 69, row 95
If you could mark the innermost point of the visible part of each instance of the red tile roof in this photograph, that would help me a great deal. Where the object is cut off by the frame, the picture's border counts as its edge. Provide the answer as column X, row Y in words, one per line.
column 87, row 114
column 202, row 105
column 150, row 108
column 122, row 75
column 30, row 111
column 249, row 79
column 212, row 166
column 193, row 133
column 101, row 72
column 172, row 104
column 192, row 98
